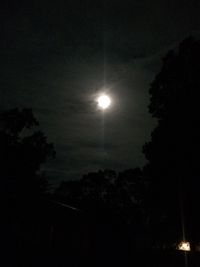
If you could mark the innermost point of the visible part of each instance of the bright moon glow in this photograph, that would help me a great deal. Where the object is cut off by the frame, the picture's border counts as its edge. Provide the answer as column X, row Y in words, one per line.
column 104, row 101
column 185, row 246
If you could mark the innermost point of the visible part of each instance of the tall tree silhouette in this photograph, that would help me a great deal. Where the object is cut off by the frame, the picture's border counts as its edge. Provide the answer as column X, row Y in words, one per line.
column 22, row 151
column 173, row 152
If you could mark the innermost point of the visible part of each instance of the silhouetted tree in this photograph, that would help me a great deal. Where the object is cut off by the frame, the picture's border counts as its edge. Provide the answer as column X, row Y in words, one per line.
column 106, row 192
column 173, row 152
column 22, row 186
column 22, row 151
column 114, row 205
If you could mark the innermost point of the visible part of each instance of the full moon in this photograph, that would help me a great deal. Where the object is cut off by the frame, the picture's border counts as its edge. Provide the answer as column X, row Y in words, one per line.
column 104, row 101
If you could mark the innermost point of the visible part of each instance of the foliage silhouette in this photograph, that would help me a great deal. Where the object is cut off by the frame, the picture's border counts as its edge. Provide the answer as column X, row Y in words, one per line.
column 24, row 219
column 173, row 152
column 22, row 153
column 118, row 196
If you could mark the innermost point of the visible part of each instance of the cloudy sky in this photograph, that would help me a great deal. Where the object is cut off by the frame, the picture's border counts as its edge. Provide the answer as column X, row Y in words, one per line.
column 57, row 57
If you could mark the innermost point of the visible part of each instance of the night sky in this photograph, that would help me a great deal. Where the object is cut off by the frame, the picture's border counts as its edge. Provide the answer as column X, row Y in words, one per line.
column 57, row 57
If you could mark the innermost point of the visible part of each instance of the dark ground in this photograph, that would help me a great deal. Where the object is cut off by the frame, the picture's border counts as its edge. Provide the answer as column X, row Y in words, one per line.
column 55, row 236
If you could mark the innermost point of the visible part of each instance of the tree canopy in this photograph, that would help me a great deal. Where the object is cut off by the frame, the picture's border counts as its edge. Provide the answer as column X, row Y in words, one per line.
column 173, row 152
column 120, row 195
column 23, row 150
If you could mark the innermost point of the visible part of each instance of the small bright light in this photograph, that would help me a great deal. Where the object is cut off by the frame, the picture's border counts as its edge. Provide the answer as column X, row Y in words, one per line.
column 185, row 246
column 104, row 101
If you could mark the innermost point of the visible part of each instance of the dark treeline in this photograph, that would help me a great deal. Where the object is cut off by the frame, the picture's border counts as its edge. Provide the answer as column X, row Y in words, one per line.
column 173, row 152
column 108, row 218
column 106, row 191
